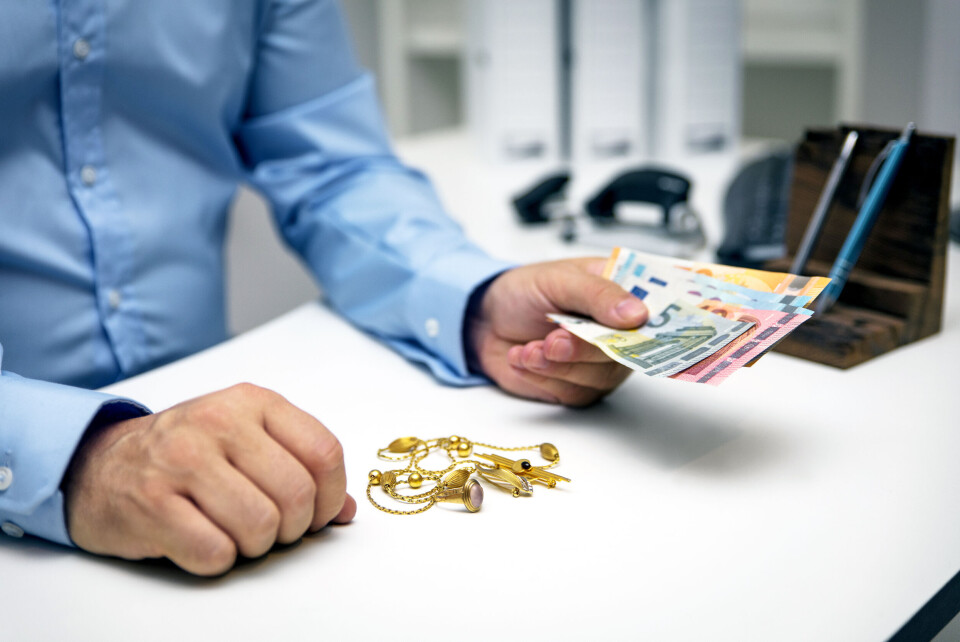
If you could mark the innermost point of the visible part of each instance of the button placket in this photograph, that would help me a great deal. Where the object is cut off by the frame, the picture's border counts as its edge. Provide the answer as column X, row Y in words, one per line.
column 81, row 86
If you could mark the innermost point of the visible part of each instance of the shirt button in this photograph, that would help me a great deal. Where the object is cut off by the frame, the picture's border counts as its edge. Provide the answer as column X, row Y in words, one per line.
column 432, row 326
column 81, row 49
column 11, row 529
column 114, row 299
column 6, row 477
column 88, row 174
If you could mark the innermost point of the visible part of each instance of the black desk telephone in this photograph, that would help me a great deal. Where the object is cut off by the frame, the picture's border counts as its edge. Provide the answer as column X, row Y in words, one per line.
column 609, row 221
column 755, row 211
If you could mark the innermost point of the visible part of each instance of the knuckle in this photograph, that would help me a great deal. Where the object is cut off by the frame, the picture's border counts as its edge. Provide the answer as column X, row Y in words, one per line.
column 206, row 553
column 153, row 496
column 298, row 508
column 583, row 351
column 326, row 453
column 301, row 495
column 598, row 288
column 245, row 389
column 165, row 445
column 262, row 527
column 563, row 370
column 257, row 398
column 208, row 412
column 179, row 452
column 251, row 392
column 213, row 555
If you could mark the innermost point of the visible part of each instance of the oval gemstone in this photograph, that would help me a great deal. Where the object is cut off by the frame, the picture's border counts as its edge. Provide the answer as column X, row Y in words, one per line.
column 476, row 494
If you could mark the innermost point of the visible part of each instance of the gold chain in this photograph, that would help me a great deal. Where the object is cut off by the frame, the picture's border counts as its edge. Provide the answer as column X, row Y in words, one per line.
column 394, row 511
column 454, row 483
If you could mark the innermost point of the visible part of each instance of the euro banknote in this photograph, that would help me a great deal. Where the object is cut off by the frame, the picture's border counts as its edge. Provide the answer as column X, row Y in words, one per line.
column 661, row 286
column 678, row 337
column 657, row 288
column 746, row 280
column 768, row 327
column 706, row 320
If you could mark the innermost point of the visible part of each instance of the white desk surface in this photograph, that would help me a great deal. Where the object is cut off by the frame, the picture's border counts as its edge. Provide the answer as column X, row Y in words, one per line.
column 795, row 502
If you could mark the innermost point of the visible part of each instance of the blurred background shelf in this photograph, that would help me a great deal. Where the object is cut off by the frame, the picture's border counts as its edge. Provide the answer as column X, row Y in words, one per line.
column 421, row 43
column 802, row 62
column 805, row 64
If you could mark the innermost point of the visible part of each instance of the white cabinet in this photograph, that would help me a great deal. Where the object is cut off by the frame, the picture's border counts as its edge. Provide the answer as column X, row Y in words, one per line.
column 788, row 34
column 421, row 46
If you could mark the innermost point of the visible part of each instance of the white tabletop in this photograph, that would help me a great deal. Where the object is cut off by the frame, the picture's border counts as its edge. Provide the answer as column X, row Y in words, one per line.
column 795, row 502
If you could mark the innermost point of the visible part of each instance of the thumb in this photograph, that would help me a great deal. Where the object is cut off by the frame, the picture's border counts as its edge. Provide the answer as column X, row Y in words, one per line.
column 348, row 511
column 580, row 291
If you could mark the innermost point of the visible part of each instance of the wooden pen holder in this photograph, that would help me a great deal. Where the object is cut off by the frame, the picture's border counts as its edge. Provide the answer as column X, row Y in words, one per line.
column 894, row 294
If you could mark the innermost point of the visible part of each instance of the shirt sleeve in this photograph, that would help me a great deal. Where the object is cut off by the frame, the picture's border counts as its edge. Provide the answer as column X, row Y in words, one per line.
column 372, row 230
column 41, row 425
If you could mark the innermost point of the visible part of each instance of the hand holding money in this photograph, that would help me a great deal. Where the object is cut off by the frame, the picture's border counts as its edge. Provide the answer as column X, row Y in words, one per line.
column 706, row 320
column 513, row 343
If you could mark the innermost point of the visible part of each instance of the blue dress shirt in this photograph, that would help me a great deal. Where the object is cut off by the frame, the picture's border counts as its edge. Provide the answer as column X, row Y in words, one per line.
column 125, row 129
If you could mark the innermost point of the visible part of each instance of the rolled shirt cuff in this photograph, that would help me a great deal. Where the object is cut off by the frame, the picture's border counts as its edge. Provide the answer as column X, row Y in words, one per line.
column 436, row 309
column 41, row 425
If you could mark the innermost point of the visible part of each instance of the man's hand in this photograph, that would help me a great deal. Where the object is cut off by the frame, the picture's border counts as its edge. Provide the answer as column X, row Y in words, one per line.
column 514, row 344
column 229, row 473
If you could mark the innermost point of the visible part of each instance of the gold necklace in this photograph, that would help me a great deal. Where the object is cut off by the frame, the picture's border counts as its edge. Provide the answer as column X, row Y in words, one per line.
column 455, row 483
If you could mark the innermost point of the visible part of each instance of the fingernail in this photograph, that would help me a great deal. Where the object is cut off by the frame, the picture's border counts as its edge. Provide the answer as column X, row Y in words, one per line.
column 561, row 349
column 630, row 309
column 536, row 360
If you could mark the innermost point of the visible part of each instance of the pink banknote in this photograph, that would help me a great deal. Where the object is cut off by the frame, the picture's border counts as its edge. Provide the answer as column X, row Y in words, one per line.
column 769, row 327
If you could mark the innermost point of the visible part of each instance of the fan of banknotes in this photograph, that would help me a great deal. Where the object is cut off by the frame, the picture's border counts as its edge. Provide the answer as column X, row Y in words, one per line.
column 706, row 321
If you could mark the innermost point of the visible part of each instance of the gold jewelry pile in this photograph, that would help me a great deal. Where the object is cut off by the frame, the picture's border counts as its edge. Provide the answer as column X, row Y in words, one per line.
column 455, row 482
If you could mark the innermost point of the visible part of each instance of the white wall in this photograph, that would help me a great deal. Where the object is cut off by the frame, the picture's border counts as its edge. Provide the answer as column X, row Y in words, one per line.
column 264, row 279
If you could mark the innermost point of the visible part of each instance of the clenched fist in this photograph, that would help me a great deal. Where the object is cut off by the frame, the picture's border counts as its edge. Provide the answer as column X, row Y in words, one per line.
column 229, row 473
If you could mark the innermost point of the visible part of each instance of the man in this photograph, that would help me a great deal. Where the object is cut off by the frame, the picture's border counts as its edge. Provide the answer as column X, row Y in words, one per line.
column 125, row 128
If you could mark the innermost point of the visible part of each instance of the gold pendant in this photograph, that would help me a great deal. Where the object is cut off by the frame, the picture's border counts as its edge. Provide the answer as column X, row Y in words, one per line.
column 525, row 468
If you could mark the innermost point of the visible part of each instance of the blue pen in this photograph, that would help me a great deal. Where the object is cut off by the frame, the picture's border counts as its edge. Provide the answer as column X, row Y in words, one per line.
column 857, row 237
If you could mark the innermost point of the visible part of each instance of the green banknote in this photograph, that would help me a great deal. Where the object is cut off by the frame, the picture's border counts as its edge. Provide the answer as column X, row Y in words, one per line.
column 670, row 342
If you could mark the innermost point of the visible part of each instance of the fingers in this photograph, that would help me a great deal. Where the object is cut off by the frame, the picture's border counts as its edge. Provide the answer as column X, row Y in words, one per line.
column 190, row 540
column 318, row 450
column 564, row 356
column 598, row 376
column 530, row 384
column 225, row 515
column 348, row 511
column 510, row 373
column 281, row 478
column 576, row 287
column 229, row 473
column 239, row 508
column 563, row 347
column 604, row 376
